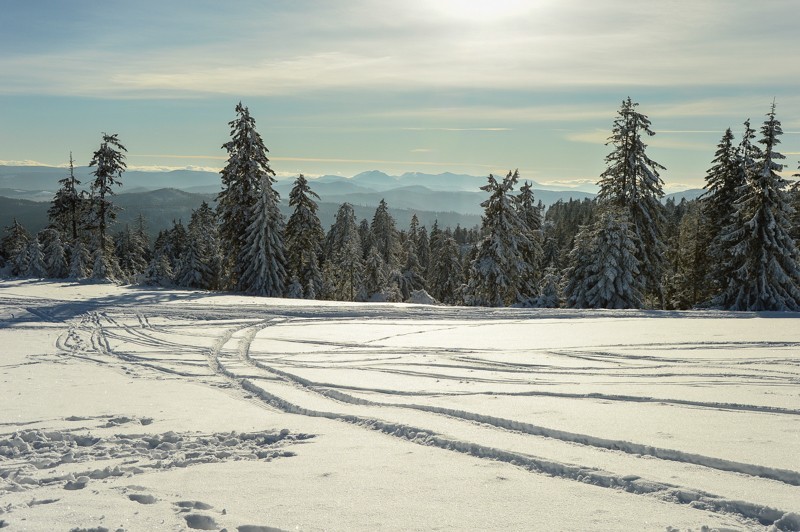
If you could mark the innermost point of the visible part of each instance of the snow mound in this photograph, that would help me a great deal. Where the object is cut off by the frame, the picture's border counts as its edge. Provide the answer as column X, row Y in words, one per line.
column 421, row 297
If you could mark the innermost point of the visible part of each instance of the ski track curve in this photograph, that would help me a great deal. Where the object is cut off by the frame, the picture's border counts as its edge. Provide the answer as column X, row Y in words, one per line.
column 222, row 360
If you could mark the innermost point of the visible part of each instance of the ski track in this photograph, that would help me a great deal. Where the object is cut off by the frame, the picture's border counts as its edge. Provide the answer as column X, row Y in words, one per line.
column 93, row 333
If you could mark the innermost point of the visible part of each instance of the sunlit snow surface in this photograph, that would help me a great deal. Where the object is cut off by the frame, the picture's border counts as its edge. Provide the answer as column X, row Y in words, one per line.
column 141, row 409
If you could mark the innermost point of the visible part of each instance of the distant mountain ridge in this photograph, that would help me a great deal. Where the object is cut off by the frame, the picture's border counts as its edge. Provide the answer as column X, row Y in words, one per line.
column 445, row 192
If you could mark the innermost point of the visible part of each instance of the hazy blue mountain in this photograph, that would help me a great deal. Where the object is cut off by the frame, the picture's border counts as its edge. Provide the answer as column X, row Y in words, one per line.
column 689, row 195
column 160, row 207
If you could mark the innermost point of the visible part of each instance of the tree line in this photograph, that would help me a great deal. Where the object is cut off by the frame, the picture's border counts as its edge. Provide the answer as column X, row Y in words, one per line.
column 735, row 247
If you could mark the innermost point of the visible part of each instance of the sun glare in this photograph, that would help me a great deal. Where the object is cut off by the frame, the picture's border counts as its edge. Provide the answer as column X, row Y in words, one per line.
column 481, row 10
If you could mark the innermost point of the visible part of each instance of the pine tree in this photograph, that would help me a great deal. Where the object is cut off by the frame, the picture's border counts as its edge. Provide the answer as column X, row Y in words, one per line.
column 531, row 247
column 424, row 250
column 446, row 272
column 689, row 284
column 795, row 220
column 605, row 258
column 131, row 253
column 263, row 254
column 550, row 289
column 763, row 256
column 200, row 259
column 158, row 271
column 375, row 275
column 497, row 272
column 385, row 236
column 631, row 181
column 109, row 161
column 15, row 244
column 79, row 261
column 35, row 267
column 304, row 237
column 723, row 181
column 344, row 266
column 66, row 210
column 412, row 278
column 247, row 168
column 55, row 257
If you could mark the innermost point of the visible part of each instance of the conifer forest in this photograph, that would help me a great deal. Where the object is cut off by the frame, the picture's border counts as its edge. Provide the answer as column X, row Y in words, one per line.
column 734, row 248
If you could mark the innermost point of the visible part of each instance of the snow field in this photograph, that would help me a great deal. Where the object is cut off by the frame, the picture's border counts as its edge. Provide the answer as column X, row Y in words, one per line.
column 422, row 418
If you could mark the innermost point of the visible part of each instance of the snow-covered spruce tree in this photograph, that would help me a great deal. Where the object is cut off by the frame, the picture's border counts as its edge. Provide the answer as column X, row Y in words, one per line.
column 423, row 251
column 66, row 209
column 385, row 236
column 35, row 267
column 131, row 254
column 412, row 278
column 79, row 260
column 723, row 181
column 689, row 285
column 55, row 257
column 158, row 271
column 375, row 275
column 579, row 268
column 263, row 254
column 242, row 178
column 15, row 244
column 531, row 248
column 763, row 256
column 366, row 237
column 632, row 182
column 304, row 237
column 795, row 219
column 109, row 163
column 194, row 271
column 344, row 266
column 202, row 242
column 445, row 275
column 605, row 269
column 549, row 289
column 497, row 272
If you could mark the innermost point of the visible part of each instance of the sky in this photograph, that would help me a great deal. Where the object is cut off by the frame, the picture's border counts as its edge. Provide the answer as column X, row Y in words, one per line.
column 341, row 87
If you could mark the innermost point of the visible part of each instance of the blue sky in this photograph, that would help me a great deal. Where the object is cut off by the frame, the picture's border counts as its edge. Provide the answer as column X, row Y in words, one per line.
column 465, row 86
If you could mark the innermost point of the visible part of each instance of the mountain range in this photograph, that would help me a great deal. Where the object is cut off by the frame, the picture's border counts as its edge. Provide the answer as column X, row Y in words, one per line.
column 163, row 196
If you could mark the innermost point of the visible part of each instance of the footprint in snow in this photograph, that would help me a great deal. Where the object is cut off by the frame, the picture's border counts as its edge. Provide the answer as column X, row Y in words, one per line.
column 142, row 498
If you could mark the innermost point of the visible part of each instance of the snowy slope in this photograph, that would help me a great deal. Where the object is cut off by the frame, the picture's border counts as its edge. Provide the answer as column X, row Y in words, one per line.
column 164, row 410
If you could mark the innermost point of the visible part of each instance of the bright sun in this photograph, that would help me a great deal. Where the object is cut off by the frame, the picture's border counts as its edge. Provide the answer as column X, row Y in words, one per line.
column 480, row 10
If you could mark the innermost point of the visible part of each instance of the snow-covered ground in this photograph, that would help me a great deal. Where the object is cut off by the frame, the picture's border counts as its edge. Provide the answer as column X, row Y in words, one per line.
column 136, row 409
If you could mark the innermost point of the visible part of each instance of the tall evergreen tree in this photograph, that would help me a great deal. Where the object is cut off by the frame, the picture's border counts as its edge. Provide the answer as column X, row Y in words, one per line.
column 79, row 260
column 631, row 181
column 723, row 181
column 763, row 256
column 445, row 275
column 304, row 237
column 245, row 172
column 15, row 244
column 531, row 251
column 55, row 257
column 795, row 219
column 498, row 269
column 689, row 285
column 263, row 256
column 345, row 267
column 385, row 236
column 109, row 160
column 203, row 243
column 35, row 267
column 606, row 256
column 65, row 211
column 375, row 275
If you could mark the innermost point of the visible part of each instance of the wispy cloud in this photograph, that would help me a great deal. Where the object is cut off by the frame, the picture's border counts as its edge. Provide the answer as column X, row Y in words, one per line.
column 28, row 162
column 408, row 45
